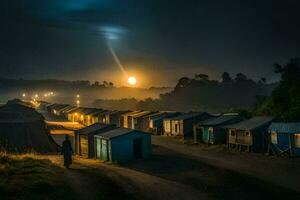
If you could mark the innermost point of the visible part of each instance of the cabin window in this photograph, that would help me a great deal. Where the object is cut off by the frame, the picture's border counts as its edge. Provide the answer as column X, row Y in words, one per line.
column 176, row 128
column 210, row 130
column 297, row 140
column 151, row 124
column 232, row 133
column 274, row 138
column 248, row 133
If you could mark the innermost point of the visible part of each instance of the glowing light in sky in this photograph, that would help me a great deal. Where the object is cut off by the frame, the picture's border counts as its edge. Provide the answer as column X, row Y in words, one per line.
column 117, row 60
column 132, row 80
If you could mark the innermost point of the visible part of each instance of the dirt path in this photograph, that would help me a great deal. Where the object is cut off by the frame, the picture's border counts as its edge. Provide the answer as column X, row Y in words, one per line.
column 281, row 171
column 139, row 184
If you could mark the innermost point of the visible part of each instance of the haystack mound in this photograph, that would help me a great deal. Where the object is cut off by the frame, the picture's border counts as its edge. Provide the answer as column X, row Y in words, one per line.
column 22, row 128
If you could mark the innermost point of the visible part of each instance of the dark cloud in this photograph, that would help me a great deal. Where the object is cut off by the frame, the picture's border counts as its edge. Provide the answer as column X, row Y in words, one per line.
column 66, row 39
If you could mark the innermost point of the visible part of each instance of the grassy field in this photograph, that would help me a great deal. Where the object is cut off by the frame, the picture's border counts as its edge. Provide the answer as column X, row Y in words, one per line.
column 32, row 177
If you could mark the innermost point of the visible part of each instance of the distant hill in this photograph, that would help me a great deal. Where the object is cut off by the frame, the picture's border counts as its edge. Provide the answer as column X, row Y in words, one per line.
column 65, row 91
column 200, row 94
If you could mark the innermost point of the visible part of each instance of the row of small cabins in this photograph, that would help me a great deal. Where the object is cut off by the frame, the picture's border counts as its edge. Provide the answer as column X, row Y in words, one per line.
column 106, row 129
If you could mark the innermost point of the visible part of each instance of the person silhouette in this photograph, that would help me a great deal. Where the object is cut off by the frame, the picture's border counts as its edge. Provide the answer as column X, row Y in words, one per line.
column 67, row 152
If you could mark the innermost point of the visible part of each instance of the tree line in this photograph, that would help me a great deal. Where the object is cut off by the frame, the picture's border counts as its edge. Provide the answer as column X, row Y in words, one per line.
column 229, row 94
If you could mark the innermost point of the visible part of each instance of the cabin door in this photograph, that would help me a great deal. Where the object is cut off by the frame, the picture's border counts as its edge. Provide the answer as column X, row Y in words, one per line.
column 138, row 148
column 98, row 148
column 83, row 145
column 104, row 150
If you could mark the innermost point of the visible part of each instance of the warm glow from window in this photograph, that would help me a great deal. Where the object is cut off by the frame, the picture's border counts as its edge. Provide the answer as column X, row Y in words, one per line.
column 132, row 80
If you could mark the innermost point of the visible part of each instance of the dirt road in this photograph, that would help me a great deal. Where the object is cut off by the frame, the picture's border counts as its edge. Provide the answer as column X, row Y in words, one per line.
column 281, row 171
column 177, row 171
column 138, row 184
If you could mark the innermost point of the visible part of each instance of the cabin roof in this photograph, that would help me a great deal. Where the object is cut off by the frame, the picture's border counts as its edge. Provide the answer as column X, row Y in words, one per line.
column 285, row 127
column 219, row 120
column 131, row 113
column 61, row 107
column 141, row 114
column 118, row 132
column 92, row 128
column 165, row 115
column 153, row 114
column 69, row 108
column 58, row 106
column 119, row 112
column 84, row 111
column 97, row 112
column 187, row 116
column 251, row 124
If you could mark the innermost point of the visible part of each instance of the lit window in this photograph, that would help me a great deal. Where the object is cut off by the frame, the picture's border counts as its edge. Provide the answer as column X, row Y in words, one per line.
column 151, row 124
column 274, row 138
column 248, row 133
column 297, row 140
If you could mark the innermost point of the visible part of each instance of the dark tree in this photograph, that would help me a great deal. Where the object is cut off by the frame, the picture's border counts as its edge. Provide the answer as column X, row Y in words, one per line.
column 183, row 82
column 240, row 77
column 226, row 77
column 201, row 77
column 263, row 80
column 284, row 102
column 105, row 83
column 96, row 83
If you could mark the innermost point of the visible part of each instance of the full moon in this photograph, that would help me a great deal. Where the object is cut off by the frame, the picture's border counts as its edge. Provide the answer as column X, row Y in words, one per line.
column 132, row 80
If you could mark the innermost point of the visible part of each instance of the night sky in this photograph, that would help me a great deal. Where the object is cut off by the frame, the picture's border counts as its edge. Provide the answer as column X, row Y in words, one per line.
column 158, row 41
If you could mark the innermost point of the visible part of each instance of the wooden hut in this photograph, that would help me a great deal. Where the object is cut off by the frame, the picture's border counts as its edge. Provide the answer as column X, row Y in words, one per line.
column 61, row 112
column 137, row 119
column 132, row 117
column 250, row 134
column 284, row 138
column 84, row 138
column 56, row 110
column 114, row 117
column 122, row 144
column 156, row 123
column 182, row 125
column 212, row 130
column 80, row 115
column 125, row 118
column 142, row 123
column 94, row 117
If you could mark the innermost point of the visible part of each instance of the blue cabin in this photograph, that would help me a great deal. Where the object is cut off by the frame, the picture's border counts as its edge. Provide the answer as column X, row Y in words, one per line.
column 122, row 144
column 182, row 125
column 285, row 138
column 250, row 134
column 212, row 130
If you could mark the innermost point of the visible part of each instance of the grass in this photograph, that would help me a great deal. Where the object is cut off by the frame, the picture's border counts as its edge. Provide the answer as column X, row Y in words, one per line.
column 32, row 177
column 27, row 177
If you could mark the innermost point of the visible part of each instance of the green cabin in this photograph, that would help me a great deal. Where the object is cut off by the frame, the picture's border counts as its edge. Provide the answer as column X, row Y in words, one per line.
column 84, row 138
column 122, row 144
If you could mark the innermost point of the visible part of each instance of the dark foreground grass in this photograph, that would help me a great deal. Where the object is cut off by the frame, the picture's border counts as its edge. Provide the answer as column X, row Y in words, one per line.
column 33, row 178
column 23, row 177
